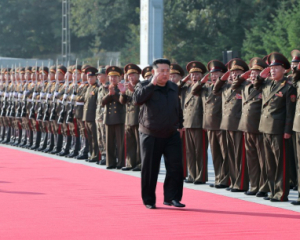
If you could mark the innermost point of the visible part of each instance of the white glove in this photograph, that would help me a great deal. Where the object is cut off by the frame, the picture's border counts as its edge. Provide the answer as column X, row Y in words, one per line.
column 34, row 95
column 49, row 95
column 6, row 94
column 73, row 97
column 65, row 96
column 55, row 94
column 42, row 95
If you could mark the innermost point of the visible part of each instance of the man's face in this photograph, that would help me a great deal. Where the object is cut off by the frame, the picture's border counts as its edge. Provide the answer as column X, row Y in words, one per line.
column 92, row 80
column 294, row 64
column 214, row 76
column 102, row 78
column 133, row 78
column 60, row 76
column 28, row 76
column 12, row 77
column 69, row 77
column 175, row 78
column 7, row 77
column 52, row 76
column 83, row 77
column 164, row 73
column 195, row 77
column 33, row 76
column 235, row 73
column 277, row 72
column 22, row 77
column 114, row 80
column 17, row 76
column 76, row 76
column 254, row 74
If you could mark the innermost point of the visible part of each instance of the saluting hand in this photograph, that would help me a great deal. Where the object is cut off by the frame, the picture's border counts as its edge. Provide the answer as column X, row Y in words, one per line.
column 225, row 76
column 246, row 75
column 155, row 78
column 205, row 78
column 188, row 77
column 265, row 73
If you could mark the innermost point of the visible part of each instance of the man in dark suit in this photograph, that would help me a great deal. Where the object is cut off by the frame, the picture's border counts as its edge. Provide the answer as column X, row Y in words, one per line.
column 212, row 116
column 276, row 123
column 232, row 109
column 249, row 122
column 160, row 117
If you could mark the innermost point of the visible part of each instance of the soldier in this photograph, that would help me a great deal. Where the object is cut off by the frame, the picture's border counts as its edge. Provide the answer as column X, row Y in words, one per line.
column 51, row 88
column 56, row 107
column 276, row 123
column 212, row 116
column 114, row 119
column 83, row 153
column 195, row 137
column 72, row 122
column 249, row 122
column 147, row 72
column 176, row 73
column 133, row 154
column 2, row 93
column 295, row 66
column 6, row 104
column 12, row 107
column 232, row 109
column 89, row 113
column 101, row 134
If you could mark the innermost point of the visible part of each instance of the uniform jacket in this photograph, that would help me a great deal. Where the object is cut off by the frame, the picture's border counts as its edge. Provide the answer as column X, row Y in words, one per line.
column 102, row 92
column 80, row 98
column 132, row 110
column 90, row 103
column 278, row 107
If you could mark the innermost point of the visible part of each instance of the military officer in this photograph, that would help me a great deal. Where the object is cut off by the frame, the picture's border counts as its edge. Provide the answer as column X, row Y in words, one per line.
column 147, row 72
column 83, row 153
column 232, row 109
column 249, row 122
column 276, row 123
column 114, row 119
column 195, row 137
column 212, row 116
column 101, row 134
column 89, row 113
column 133, row 154
column 6, row 104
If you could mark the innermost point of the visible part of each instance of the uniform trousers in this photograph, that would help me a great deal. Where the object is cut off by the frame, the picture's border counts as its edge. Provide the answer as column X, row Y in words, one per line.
column 133, row 153
column 92, row 138
column 277, row 165
column 238, row 171
column 115, row 140
column 152, row 149
column 101, row 135
column 255, row 155
column 196, row 154
column 218, row 146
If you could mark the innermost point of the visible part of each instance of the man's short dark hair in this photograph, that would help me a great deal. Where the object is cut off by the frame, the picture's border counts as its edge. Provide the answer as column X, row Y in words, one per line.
column 160, row 61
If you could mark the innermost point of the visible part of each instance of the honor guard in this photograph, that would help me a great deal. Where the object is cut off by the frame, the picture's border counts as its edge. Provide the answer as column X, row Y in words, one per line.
column 114, row 119
column 132, row 143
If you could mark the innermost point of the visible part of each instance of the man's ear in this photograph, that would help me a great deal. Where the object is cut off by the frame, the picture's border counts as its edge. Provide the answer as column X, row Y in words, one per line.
column 152, row 71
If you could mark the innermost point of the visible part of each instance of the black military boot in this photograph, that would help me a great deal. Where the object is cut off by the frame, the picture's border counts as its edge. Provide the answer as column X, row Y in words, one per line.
column 74, row 150
column 43, row 142
column 18, row 133
column 50, row 143
column 66, row 146
column 29, row 139
column 12, row 136
column 23, row 138
column 6, row 135
column 57, row 144
column 83, row 153
column 34, row 141
column 2, row 133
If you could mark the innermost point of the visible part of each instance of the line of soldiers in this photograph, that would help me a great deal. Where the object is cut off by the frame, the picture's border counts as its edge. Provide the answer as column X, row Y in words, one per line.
column 248, row 114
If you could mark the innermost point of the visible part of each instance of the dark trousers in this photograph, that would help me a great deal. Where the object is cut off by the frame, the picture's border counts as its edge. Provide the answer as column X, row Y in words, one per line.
column 92, row 138
column 152, row 149
column 277, row 165
column 133, row 153
column 218, row 147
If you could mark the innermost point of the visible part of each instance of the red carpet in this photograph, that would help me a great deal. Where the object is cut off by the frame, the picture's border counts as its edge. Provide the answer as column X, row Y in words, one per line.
column 44, row 198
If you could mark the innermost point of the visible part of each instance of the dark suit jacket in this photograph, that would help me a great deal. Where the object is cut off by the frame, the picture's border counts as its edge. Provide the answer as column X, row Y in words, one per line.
column 90, row 103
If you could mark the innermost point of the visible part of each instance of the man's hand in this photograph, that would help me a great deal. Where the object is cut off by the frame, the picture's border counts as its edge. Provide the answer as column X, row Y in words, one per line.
column 287, row 136
column 186, row 78
column 180, row 132
column 111, row 89
column 265, row 73
column 225, row 76
column 122, row 87
column 155, row 78
column 205, row 78
column 246, row 75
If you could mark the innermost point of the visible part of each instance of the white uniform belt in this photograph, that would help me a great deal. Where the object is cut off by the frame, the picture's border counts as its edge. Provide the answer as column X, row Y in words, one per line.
column 79, row 103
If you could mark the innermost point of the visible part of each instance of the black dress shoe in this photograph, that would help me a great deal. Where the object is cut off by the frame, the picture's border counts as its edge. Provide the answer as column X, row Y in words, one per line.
column 72, row 155
column 119, row 167
column 276, row 200
column 221, row 186
column 111, row 167
column 261, row 194
column 103, row 162
column 82, row 157
column 198, row 183
column 295, row 202
column 295, row 188
column 150, row 206
column 136, row 169
column 126, row 168
column 237, row 190
column 188, row 181
column 55, row 151
column 267, row 198
column 212, row 185
column 62, row 153
column 93, row 160
column 250, row 193
column 174, row 203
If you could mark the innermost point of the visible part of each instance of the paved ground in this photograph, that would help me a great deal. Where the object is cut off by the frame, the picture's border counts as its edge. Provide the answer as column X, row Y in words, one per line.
column 284, row 205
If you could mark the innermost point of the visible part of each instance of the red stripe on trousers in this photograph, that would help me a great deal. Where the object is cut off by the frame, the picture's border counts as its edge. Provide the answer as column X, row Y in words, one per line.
column 125, row 151
column 243, row 163
column 284, row 167
column 204, row 155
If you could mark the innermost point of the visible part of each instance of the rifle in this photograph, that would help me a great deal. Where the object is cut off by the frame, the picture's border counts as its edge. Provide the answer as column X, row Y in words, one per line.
column 32, row 109
column 39, row 116
column 70, row 116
